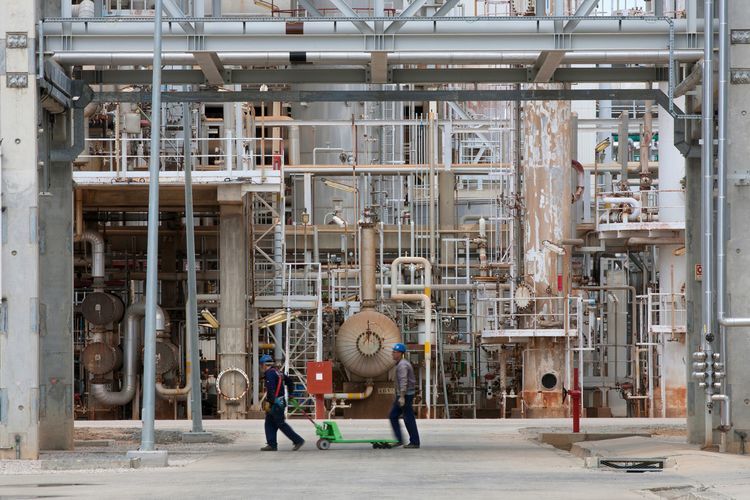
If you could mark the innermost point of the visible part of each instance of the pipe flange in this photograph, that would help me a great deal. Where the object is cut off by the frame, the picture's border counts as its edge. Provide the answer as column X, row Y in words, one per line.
column 226, row 396
column 523, row 297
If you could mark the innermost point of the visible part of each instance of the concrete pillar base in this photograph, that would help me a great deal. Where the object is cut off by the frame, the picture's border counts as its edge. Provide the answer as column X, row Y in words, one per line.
column 156, row 458
column 197, row 437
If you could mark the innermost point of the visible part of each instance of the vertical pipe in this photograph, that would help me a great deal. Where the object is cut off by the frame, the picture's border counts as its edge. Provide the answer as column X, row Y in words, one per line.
column 152, row 258
column 191, row 305
column 726, row 411
column 623, row 150
column 707, row 212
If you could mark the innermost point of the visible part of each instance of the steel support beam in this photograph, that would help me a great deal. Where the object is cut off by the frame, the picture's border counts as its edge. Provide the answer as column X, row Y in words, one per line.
column 359, row 75
column 397, row 95
column 546, row 65
column 410, row 11
column 211, row 66
column 445, row 9
column 310, row 8
column 174, row 10
column 583, row 10
column 443, row 34
column 344, row 8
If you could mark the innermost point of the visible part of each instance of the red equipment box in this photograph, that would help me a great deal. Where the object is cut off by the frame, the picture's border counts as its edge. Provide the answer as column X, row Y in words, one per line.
column 319, row 377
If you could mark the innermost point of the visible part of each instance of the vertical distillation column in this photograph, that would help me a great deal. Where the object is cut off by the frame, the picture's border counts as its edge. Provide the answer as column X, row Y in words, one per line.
column 232, row 343
column 546, row 181
column 19, row 340
column 672, row 268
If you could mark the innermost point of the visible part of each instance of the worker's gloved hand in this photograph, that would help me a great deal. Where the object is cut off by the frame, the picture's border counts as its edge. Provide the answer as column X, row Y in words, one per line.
column 401, row 401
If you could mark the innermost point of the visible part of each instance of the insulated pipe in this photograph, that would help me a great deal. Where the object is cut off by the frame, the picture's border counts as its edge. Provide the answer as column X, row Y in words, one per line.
column 441, row 287
column 97, row 250
column 632, row 202
column 351, row 395
column 646, row 145
column 726, row 411
column 426, row 304
column 580, row 180
column 635, row 241
column 368, row 264
column 623, row 149
column 133, row 316
column 179, row 393
column 707, row 159
column 633, row 305
column 262, row 59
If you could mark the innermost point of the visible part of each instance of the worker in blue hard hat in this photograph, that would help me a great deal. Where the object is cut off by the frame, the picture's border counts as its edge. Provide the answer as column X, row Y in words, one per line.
column 406, row 386
column 277, row 386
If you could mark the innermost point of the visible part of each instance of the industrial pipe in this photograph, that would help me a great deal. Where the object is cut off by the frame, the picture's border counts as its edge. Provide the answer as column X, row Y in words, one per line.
column 97, row 250
column 634, row 204
column 133, row 316
column 707, row 188
column 351, row 395
column 726, row 411
column 635, row 241
column 580, row 180
column 179, row 393
column 692, row 80
column 368, row 265
column 426, row 304
column 623, row 150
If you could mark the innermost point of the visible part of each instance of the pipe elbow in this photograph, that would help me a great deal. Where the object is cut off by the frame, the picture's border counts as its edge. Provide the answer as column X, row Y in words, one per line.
column 119, row 398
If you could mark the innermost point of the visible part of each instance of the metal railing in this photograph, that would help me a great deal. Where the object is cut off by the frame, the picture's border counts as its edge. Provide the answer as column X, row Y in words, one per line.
column 227, row 154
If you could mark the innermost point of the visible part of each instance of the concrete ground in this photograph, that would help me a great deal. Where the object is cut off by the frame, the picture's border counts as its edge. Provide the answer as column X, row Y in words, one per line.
column 458, row 458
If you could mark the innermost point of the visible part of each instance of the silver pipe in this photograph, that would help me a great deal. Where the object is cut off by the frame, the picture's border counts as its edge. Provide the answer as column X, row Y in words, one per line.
column 706, row 215
column 97, row 252
column 152, row 258
column 359, row 58
column 623, row 149
column 192, row 300
column 368, row 265
column 133, row 316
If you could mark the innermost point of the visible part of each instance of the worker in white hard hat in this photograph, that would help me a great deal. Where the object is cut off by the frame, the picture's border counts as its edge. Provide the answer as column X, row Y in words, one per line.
column 406, row 386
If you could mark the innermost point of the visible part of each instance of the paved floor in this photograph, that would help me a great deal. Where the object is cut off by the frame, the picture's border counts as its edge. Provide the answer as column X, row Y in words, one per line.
column 466, row 459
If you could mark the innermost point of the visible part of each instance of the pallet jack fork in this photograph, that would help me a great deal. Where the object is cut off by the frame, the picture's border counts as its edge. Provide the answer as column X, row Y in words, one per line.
column 328, row 432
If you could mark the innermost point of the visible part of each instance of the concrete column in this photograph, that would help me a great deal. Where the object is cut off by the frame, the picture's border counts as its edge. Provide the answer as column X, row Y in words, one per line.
column 56, row 299
column 546, row 176
column 19, row 333
column 737, row 302
column 232, row 343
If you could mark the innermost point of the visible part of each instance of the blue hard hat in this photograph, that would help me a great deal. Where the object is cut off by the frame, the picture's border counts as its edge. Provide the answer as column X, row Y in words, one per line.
column 399, row 347
column 266, row 359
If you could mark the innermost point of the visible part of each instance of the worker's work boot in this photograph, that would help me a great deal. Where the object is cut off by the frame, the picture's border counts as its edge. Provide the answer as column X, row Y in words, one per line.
column 411, row 446
column 268, row 447
column 297, row 446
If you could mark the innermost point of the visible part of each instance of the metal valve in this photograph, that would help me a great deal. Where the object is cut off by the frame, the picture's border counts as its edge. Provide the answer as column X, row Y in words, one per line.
column 719, row 375
column 699, row 356
column 700, row 376
column 719, row 366
column 717, row 356
column 699, row 367
column 717, row 386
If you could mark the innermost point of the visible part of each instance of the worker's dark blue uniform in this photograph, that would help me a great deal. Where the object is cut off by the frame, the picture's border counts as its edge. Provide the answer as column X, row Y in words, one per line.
column 276, row 385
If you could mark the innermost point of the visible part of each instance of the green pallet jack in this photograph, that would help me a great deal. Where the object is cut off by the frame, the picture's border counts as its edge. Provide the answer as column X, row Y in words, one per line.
column 328, row 432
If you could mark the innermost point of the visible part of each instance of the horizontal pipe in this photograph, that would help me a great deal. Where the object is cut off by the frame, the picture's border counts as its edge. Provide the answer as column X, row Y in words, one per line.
column 351, row 395
column 655, row 241
column 263, row 59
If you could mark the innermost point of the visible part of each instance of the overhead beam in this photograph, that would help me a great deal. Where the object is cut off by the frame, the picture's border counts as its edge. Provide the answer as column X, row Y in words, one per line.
column 210, row 66
column 546, row 65
column 583, row 10
column 412, row 9
column 362, row 26
column 174, row 10
column 360, row 75
column 398, row 95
